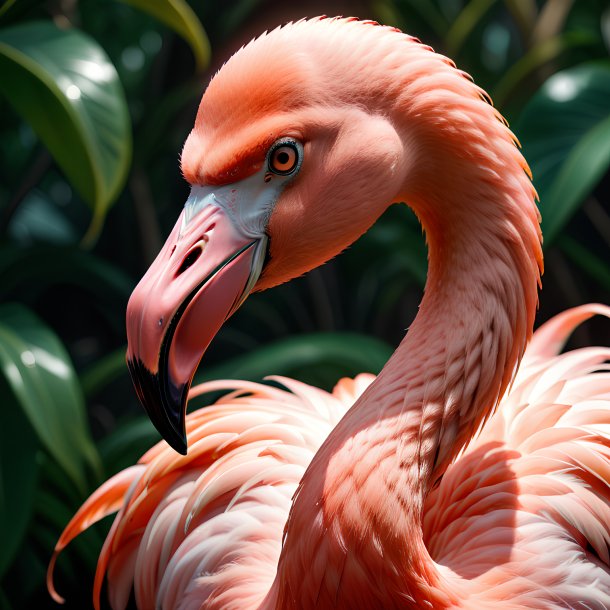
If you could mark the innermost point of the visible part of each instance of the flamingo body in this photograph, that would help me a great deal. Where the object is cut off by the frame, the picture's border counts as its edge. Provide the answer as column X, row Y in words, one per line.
column 207, row 528
column 522, row 517
column 447, row 481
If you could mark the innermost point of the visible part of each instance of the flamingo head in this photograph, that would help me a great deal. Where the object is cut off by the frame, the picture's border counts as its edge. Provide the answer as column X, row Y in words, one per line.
column 286, row 170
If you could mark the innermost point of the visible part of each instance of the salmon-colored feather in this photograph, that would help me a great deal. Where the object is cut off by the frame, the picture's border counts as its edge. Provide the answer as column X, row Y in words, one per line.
column 474, row 471
column 537, row 476
column 540, row 478
column 103, row 502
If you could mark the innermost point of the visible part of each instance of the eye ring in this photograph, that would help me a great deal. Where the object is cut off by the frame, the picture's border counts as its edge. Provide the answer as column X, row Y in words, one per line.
column 285, row 156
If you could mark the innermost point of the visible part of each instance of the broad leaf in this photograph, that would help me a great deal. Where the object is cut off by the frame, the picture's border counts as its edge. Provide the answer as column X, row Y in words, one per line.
column 104, row 371
column 181, row 18
column 565, row 133
column 39, row 218
column 18, row 470
column 396, row 240
column 126, row 445
column 46, row 264
column 541, row 54
column 27, row 273
column 40, row 374
column 64, row 85
column 319, row 358
column 596, row 268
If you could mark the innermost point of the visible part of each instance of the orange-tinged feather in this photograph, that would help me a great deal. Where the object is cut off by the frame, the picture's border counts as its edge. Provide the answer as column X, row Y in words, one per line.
column 106, row 500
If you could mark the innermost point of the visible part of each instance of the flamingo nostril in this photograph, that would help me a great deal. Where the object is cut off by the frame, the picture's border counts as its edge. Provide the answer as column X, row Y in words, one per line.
column 190, row 259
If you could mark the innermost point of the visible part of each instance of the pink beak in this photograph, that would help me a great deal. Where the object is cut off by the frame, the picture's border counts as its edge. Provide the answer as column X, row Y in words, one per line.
column 202, row 274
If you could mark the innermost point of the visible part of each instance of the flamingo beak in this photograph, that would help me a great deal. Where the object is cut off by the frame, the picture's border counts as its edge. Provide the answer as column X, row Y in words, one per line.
column 203, row 273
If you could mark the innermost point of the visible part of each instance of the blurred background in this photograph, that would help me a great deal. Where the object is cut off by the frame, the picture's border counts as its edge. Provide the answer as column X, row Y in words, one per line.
column 96, row 100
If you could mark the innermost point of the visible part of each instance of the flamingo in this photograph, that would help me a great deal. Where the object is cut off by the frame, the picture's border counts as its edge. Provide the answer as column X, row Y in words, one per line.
column 455, row 479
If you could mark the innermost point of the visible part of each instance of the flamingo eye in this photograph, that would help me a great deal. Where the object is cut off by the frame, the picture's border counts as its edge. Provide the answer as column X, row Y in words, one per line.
column 284, row 157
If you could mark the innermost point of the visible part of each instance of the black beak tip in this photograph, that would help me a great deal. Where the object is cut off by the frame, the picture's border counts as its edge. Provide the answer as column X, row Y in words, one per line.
column 164, row 403
column 178, row 443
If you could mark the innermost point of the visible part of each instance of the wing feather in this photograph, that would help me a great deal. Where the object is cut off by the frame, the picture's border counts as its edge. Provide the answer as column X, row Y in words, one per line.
column 528, row 503
column 207, row 527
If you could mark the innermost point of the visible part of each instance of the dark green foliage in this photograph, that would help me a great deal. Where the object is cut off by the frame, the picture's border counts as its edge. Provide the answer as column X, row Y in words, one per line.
column 569, row 115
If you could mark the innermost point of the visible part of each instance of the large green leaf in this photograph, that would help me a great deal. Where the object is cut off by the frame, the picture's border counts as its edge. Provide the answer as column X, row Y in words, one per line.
column 565, row 133
column 541, row 54
column 28, row 272
column 317, row 358
column 18, row 469
column 40, row 374
column 64, row 85
column 39, row 219
column 181, row 18
column 595, row 267
column 126, row 445
column 396, row 240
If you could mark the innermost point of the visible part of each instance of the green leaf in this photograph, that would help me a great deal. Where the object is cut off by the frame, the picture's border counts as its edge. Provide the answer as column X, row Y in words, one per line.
column 126, row 445
column 54, row 512
column 595, row 267
column 320, row 358
column 565, row 133
column 28, row 273
column 38, row 218
column 40, row 374
column 180, row 17
column 465, row 23
column 64, row 85
column 18, row 473
column 396, row 240
column 104, row 371
column 6, row 6
column 29, row 270
column 541, row 54
column 54, row 479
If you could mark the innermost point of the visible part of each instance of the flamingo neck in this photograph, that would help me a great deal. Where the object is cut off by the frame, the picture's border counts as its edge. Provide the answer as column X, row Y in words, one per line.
column 354, row 536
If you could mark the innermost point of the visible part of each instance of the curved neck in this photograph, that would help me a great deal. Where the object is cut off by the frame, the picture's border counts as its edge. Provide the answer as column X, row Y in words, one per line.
column 354, row 535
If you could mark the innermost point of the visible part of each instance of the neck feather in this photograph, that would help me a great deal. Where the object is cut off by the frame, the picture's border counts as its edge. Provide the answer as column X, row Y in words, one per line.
column 354, row 535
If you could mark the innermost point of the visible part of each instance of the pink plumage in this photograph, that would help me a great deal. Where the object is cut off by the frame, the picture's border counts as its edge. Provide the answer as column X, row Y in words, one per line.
column 456, row 478
column 209, row 525
column 528, row 499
